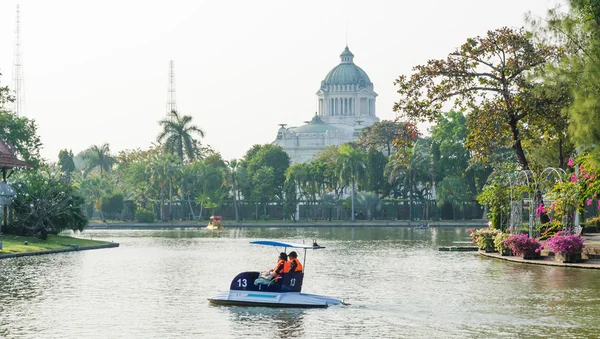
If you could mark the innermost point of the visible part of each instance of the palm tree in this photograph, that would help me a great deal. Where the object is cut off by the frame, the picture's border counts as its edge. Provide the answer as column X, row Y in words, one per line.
column 161, row 170
column 97, row 157
column 177, row 135
column 350, row 165
column 410, row 171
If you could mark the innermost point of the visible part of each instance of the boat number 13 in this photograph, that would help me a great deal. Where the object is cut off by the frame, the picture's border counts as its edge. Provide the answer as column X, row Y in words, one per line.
column 242, row 282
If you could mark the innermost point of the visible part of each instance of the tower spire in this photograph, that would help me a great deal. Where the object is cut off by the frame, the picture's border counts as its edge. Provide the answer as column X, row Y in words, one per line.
column 17, row 76
column 171, row 105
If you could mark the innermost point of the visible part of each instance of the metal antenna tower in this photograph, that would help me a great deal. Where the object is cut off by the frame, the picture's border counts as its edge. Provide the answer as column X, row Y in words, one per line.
column 171, row 105
column 17, row 76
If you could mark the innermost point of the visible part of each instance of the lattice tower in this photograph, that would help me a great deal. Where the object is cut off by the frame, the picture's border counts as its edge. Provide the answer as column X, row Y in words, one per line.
column 171, row 104
column 17, row 76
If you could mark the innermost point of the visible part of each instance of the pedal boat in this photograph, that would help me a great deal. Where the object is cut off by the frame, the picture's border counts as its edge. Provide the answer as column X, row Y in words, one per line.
column 285, row 293
column 215, row 223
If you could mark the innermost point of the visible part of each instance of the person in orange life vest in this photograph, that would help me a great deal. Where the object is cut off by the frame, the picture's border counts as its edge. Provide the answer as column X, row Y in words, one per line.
column 294, row 264
column 280, row 266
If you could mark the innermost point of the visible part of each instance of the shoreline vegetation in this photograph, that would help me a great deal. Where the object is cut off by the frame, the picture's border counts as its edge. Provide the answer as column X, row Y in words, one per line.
column 18, row 246
column 97, row 224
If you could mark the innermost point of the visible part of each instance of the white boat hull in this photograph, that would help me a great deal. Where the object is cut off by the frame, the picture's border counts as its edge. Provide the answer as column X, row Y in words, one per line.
column 273, row 299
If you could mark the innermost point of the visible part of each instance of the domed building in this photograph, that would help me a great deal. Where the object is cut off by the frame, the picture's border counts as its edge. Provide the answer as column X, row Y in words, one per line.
column 346, row 104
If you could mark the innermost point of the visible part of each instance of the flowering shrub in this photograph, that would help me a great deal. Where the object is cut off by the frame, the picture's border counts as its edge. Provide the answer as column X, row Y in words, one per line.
column 523, row 245
column 565, row 243
column 484, row 237
column 499, row 242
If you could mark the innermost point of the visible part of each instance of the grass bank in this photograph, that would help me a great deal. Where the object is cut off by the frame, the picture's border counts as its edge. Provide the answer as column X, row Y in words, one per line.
column 19, row 244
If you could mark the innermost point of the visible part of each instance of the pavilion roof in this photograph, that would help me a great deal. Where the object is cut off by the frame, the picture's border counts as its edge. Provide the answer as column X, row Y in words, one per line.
column 8, row 159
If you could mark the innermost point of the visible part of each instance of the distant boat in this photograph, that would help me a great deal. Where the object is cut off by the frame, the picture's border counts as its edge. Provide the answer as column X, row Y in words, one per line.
column 215, row 223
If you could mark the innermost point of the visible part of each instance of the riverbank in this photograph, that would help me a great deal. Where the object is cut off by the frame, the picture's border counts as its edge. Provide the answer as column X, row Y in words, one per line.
column 285, row 223
column 20, row 246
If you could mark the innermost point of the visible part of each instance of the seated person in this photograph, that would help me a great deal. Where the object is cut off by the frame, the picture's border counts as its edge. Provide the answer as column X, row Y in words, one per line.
column 271, row 276
column 280, row 266
column 294, row 264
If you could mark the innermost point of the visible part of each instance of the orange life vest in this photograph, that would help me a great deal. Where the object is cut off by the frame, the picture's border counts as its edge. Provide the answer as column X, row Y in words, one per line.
column 279, row 263
column 286, row 266
column 298, row 264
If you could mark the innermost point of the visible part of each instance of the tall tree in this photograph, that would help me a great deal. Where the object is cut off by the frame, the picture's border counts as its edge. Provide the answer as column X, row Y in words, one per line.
column 178, row 136
column 98, row 157
column 21, row 134
column 65, row 162
column 578, row 31
column 487, row 75
column 381, row 135
column 350, row 166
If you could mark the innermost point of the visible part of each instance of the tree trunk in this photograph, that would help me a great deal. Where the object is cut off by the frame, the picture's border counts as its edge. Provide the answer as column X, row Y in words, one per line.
column 191, row 208
column 235, row 207
column 517, row 145
column 170, row 200
column 352, row 198
column 561, row 154
column 162, row 205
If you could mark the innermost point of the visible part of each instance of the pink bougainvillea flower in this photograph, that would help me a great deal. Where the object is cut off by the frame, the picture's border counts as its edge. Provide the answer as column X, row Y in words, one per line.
column 589, row 202
column 573, row 177
column 570, row 163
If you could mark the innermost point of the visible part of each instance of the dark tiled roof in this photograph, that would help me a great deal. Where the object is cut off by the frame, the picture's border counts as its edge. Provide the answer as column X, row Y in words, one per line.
column 8, row 159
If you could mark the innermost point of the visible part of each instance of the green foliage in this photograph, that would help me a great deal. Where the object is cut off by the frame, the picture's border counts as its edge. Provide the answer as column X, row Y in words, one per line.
column 381, row 135
column 177, row 134
column 593, row 222
column 98, row 157
column 487, row 75
column 271, row 156
column 484, row 237
column 45, row 204
column 497, row 197
column 368, row 202
column 144, row 216
column 112, row 204
column 499, row 244
column 21, row 134
column 65, row 162
column 550, row 228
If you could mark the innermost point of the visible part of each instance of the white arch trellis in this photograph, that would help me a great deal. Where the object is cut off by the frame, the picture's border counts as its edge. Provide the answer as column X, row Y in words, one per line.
column 535, row 187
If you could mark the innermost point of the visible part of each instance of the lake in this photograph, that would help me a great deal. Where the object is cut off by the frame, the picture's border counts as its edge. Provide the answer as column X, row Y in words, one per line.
column 156, row 285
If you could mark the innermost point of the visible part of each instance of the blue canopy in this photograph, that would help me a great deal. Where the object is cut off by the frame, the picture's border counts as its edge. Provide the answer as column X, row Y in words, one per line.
column 286, row 244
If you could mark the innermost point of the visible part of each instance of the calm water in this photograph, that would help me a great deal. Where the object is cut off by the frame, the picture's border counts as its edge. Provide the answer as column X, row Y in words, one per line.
column 400, row 286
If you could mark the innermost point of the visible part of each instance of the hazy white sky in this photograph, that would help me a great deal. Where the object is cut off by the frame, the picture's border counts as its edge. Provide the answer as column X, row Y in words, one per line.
column 97, row 71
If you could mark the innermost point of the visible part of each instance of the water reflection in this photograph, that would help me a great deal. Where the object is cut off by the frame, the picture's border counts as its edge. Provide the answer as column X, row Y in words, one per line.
column 278, row 323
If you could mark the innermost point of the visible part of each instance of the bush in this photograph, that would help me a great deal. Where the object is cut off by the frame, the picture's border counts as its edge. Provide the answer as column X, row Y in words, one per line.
column 499, row 242
column 46, row 204
column 144, row 216
column 523, row 245
column 565, row 243
column 484, row 237
column 592, row 223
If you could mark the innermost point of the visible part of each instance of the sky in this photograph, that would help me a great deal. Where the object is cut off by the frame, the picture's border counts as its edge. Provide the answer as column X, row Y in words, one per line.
column 97, row 71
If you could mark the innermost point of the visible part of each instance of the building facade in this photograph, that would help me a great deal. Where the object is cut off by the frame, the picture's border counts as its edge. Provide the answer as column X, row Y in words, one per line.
column 346, row 104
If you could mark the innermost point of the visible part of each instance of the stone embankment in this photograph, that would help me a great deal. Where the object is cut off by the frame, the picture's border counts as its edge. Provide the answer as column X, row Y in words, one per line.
column 591, row 260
